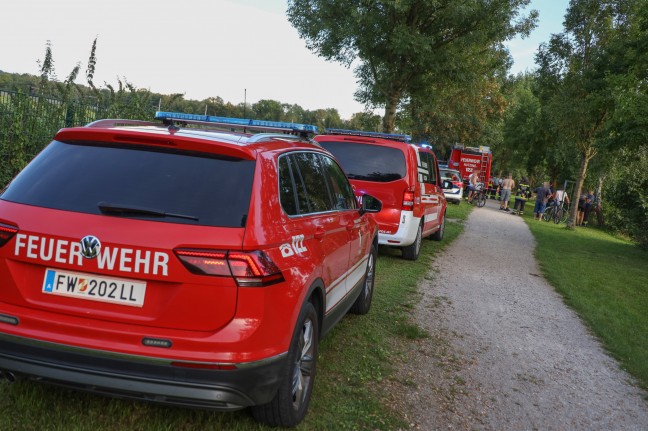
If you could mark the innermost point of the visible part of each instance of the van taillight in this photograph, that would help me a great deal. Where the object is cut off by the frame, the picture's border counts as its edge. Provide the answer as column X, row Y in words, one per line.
column 249, row 269
column 6, row 233
column 408, row 201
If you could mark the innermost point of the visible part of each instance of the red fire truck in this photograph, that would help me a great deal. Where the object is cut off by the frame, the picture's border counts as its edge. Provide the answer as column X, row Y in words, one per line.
column 470, row 159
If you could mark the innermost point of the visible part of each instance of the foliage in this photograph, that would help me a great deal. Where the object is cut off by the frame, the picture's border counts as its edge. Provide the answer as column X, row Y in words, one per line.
column 626, row 191
column 456, row 112
column 532, row 143
column 584, row 71
column 521, row 126
column 407, row 49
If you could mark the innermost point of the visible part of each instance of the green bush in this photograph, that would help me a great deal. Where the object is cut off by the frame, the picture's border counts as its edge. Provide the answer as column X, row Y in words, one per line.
column 626, row 195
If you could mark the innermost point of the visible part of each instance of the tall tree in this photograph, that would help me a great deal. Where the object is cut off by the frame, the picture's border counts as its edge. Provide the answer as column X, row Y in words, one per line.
column 402, row 45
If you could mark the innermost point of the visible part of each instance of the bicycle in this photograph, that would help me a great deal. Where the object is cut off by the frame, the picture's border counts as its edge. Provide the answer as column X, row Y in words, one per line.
column 479, row 197
column 549, row 213
column 561, row 213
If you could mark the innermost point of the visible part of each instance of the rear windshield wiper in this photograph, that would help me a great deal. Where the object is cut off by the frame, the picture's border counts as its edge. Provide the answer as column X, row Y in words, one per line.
column 110, row 208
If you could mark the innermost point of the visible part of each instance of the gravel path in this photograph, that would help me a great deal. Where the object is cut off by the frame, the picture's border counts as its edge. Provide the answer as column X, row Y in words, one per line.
column 505, row 353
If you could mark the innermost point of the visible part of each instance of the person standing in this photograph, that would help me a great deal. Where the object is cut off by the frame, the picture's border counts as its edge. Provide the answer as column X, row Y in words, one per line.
column 589, row 205
column 561, row 197
column 472, row 185
column 521, row 196
column 505, row 192
column 542, row 197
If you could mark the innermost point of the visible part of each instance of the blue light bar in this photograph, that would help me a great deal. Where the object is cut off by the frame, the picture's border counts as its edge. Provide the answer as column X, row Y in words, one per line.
column 393, row 136
column 237, row 122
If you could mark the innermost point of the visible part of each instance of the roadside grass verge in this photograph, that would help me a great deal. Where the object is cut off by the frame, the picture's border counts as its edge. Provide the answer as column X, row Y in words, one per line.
column 605, row 279
column 355, row 359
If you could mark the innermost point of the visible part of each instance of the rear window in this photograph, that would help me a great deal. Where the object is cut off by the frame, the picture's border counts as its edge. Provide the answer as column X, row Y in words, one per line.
column 137, row 182
column 368, row 162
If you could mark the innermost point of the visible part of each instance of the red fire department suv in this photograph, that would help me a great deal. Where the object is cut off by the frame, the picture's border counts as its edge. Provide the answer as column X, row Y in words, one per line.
column 182, row 265
column 405, row 177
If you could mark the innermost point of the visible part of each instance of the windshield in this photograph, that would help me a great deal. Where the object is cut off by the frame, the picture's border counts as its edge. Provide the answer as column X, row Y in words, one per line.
column 140, row 182
column 368, row 162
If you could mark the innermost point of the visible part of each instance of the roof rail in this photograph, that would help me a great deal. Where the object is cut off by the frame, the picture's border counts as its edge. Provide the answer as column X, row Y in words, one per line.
column 392, row 136
column 237, row 123
column 119, row 123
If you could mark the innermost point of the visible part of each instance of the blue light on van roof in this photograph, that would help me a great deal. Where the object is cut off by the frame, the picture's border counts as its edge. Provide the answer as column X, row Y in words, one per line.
column 394, row 136
column 239, row 122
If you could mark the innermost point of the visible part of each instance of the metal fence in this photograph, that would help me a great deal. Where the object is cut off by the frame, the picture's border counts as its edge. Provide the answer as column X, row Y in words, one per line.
column 28, row 123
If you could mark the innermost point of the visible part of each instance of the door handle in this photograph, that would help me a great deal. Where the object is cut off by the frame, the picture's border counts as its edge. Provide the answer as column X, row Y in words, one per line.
column 319, row 233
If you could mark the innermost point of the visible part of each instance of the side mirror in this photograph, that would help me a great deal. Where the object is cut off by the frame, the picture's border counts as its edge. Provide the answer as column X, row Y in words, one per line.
column 447, row 185
column 370, row 205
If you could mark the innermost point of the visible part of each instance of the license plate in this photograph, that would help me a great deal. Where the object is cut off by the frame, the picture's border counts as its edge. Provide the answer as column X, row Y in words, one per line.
column 94, row 288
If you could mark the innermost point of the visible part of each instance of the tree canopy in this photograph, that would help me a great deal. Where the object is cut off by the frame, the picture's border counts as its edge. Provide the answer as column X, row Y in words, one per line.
column 407, row 49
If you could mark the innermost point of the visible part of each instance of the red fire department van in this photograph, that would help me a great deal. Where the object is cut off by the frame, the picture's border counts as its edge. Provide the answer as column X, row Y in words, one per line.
column 405, row 177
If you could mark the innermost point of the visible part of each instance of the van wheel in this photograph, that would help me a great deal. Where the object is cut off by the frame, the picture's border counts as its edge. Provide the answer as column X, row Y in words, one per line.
column 438, row 235
column 363, row 303
column 288, row 407
column 411, row 252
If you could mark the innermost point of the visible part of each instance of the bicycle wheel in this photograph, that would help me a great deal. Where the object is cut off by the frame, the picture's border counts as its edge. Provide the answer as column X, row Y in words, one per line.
column 565, row 214
column 481, row 200
column 548, row 214
column 558, row 215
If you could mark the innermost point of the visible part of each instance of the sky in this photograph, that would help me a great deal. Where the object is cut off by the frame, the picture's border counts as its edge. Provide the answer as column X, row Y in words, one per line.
column 201, row 48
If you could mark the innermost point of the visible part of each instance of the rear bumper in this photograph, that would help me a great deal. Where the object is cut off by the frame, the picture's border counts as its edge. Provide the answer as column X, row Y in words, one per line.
column 142, row 378
column 406, row 233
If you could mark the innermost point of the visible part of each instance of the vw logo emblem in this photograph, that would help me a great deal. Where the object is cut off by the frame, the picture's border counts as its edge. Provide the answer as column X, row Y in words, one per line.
column 90, row 246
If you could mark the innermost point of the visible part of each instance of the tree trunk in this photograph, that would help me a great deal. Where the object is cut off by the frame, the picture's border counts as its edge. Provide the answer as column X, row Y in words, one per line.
column 582, row 174
column 599, row 189
column 389, row 120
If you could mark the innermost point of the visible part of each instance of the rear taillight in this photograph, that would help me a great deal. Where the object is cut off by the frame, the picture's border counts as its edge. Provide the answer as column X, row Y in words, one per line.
column 408, row 201
column 205, row 262
column 249, row 269
column 6, row 233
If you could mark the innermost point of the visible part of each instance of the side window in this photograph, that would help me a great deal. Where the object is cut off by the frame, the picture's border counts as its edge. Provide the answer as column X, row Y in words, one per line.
column 312, row 187
column 341, row 190
column 427, row 170
column 423, row 167
column 433, row 168
column 287, row 188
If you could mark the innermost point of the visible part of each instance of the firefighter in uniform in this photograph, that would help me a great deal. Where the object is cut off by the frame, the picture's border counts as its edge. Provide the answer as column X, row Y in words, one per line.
column 521, row 196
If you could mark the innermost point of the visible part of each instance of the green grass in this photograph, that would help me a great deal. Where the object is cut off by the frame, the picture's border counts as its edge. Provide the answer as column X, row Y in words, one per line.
column 605, row 279
column 355, row 359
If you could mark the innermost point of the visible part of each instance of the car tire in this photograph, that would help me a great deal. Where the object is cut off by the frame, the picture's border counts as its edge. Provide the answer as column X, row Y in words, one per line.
column 438, row 235
column 290, row 404
column 412, row 251
column 363, row 303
